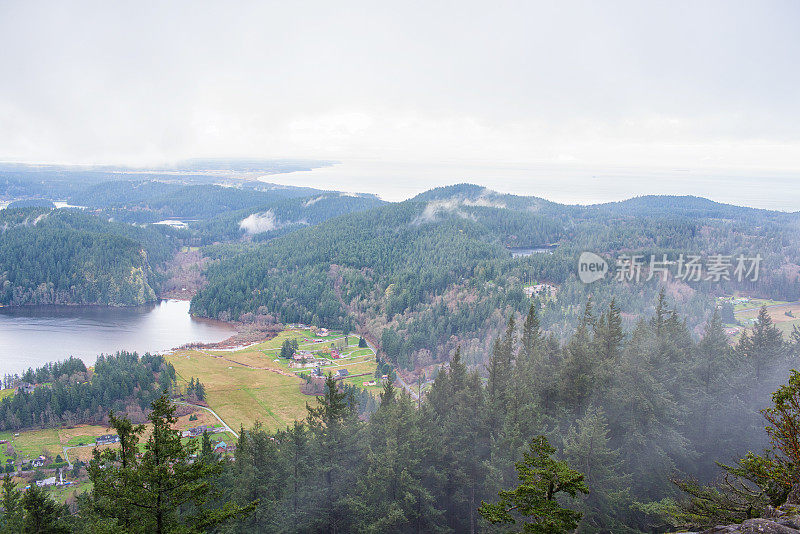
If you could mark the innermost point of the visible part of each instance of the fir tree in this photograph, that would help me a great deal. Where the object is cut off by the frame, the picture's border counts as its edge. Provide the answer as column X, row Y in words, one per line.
column 535, row 501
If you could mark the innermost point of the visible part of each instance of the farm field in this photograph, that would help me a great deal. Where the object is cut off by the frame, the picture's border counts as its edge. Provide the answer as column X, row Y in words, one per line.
column 242, row 386
column 80, row 440
column 248, row 385
column 784, row 315
column 745, row 303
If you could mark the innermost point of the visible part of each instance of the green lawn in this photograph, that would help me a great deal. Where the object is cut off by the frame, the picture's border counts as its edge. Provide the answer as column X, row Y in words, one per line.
column 35, row 442
column 240, row 395
column 241, row 388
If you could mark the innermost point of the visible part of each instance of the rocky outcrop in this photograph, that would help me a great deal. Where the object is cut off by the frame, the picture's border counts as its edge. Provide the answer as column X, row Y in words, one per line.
column 782, row 520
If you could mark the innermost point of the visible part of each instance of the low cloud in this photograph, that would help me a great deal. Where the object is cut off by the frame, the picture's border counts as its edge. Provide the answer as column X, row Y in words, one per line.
column 312, row 201
column 437, row 207
column 485, row 201
column 259, row 222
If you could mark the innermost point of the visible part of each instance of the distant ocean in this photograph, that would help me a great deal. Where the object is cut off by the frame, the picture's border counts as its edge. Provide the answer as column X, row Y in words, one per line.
column 566, row 184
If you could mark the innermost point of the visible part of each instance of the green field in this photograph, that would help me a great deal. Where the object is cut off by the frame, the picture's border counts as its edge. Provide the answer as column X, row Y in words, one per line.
column 778, row 312
column 752, row 303
column 35, row 442
column 247, row 386
column 61, row 494
column 242, row 395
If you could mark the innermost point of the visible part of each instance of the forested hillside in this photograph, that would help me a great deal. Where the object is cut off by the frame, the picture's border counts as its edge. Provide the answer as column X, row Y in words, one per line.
column 433, row 272
column 150, row 201
column 67, row 393
column 630, row 410
column 630, row 418
column 68, row 257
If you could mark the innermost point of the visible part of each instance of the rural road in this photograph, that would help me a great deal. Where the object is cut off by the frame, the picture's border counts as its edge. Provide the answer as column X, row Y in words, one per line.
column 212, row 412
column 209, row 410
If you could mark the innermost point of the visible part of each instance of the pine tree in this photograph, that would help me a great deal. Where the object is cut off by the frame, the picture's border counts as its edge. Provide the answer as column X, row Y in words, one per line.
column 42, row 513
column 714, row 352
column 764, row 345
column 578, row 371
column 531, row 336
column 335, row 427
column 391, row 495
column 587, row 447
column 609, row 333
column 535, row 501
column 199, row 390
column 13, row 513
column 500, row 375
column 148, row 494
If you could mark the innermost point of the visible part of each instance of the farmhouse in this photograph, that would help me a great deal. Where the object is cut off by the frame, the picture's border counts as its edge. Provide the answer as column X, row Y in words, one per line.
column 302, row 355
column 197, row 431
column 105, row 439
column 25, row 387
column 46, row 482
column 341, row 373
column 39, row 462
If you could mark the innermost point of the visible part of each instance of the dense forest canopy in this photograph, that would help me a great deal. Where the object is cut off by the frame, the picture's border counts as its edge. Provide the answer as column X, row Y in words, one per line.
column 67, row 393
column 424, row 275
column 64, row 256
column 621, row 421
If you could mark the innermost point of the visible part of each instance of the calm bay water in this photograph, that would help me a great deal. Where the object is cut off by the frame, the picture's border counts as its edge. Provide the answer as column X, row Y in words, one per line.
column 31, row 336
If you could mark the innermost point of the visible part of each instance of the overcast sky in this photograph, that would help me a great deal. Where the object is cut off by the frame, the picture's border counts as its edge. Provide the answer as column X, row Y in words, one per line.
column 661, row 84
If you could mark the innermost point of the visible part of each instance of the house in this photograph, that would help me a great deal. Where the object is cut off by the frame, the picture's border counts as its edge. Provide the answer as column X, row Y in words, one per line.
column 105, row 439
column 341, row 373
column 46, row 482
column 198, row 431
column 26, row 387
column 39, row 462
column 221, row 447
column 335, row 354
column 302, row 355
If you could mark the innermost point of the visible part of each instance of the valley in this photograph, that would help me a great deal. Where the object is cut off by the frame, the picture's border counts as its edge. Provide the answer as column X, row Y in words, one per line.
column 306, row 304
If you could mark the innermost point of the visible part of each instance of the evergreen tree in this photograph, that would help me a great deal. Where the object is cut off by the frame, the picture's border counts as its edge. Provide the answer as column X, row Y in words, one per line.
column 13, row 513
column 391, row 495
column 578, row 371
column 43, row 514
column 164, row 491
column 334, row 425
column 535, row 501
column 764, row 345
column 587, row 447
column 608, row 333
